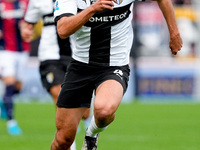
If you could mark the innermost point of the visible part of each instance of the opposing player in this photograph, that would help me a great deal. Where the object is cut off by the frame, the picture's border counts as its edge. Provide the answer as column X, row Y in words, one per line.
column 14, row 53
column 54, row 53
column 101, row 34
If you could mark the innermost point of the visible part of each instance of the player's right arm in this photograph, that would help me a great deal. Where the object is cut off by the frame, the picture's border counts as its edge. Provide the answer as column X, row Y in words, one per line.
column 68, row 25
column 32, row 16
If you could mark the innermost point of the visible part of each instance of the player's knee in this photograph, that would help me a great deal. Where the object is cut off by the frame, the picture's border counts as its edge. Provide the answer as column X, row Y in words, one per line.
column 105, row 110
column 105, row 115
column 64, row 142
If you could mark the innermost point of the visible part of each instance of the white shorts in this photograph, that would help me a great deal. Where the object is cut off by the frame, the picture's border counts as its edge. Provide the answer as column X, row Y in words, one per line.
column 13, row 64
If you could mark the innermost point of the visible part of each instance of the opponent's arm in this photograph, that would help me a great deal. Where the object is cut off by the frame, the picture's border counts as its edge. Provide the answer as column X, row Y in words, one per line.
column 68, row 25
column 175, row 42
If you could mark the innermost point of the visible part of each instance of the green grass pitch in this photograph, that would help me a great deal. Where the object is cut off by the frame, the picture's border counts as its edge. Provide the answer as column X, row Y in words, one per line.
column 138, row 126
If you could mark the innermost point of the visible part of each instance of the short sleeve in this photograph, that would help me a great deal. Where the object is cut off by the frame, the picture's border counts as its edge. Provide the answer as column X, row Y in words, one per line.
column 65, row 8
column 33, row 13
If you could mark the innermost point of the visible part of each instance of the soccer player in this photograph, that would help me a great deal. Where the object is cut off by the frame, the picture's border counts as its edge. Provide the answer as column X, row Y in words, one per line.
column 14, row 53
column 101, row 34
column 54, row 53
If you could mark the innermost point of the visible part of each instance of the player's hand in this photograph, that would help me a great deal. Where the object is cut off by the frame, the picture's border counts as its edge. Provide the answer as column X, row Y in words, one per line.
column 27, row 32
column 175, row 44
column 100, row 5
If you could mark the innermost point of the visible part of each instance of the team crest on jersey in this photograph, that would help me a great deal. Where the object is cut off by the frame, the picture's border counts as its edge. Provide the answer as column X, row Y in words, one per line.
column 56, row 6
column 119, row 2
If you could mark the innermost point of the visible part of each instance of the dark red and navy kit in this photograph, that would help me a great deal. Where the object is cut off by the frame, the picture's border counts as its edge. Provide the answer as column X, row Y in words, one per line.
column 11, row 16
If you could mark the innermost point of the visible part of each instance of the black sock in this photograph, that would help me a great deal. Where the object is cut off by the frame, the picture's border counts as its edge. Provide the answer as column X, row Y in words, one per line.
column 8, row 100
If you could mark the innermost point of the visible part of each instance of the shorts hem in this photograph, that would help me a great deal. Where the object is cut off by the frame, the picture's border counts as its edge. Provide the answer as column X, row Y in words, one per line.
column 70, row 106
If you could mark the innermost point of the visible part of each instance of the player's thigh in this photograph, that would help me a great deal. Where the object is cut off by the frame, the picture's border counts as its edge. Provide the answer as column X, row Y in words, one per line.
column 108, row 96
column 110, row 88
column 9, row 80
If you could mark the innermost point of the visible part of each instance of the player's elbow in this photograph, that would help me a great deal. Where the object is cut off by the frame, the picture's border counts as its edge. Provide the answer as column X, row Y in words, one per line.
column 62, row 34
column 62, row 29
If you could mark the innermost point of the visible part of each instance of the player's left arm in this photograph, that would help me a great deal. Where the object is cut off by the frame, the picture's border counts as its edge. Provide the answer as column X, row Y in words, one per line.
column 167, row 9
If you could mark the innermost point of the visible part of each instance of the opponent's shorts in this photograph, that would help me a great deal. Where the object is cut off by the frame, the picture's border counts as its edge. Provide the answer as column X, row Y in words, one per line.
column 52, row 72
column 13, row 64
column 82, row 79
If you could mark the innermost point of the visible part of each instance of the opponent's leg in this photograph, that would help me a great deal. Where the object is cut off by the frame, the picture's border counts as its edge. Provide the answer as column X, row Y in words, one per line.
column 8, row 99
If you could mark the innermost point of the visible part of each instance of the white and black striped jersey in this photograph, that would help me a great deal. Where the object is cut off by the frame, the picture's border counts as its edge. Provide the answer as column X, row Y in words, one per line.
column 106, row 39
column 51, row 47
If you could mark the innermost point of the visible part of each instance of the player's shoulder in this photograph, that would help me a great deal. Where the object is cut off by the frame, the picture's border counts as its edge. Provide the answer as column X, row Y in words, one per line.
column 42, row 5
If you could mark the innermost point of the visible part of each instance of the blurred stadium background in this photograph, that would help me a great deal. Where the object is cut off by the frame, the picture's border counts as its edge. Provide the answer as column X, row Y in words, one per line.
column 155, row 73
column 156, row 77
